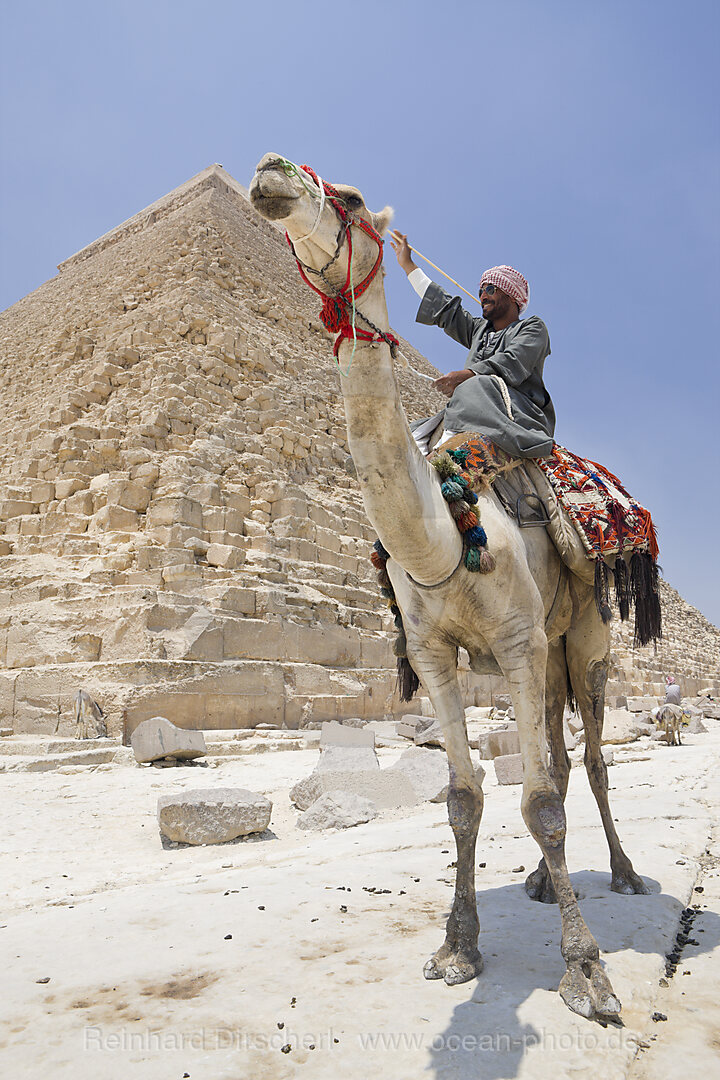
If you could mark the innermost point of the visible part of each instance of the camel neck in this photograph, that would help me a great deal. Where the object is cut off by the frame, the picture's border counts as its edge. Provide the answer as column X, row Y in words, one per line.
column 399, row 488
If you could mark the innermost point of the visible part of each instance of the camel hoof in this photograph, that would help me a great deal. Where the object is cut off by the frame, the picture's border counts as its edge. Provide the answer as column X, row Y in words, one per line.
column 539, row 887
column 629, row 883
column 586, row 990
column 432, row 970
column 459, row 972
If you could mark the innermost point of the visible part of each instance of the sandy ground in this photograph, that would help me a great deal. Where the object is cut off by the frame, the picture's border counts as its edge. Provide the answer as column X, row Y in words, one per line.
column 121, row 957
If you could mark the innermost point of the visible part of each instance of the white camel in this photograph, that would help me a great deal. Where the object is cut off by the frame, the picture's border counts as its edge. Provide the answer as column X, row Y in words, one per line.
column 531, row 616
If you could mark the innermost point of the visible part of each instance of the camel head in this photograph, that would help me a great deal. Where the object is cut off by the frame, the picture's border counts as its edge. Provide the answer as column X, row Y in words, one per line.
column 280, row 191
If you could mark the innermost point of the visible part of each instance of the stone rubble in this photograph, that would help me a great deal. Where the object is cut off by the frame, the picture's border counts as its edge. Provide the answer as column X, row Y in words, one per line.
column 212, row 816
column 158, row 738
column 337, row 810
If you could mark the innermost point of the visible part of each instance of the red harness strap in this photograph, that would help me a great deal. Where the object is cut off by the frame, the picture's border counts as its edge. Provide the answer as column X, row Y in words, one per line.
column 335, row 313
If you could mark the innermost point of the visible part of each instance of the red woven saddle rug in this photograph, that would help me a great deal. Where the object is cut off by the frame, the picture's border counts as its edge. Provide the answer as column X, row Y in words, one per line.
column 615, row 530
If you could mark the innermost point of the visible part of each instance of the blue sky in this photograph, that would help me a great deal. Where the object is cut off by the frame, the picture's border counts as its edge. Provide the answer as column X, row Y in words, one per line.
column 575, row 140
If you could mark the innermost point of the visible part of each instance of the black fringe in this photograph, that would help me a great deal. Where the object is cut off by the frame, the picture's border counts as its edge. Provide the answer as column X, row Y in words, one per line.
column 602, row 591
column 622, row 587
column 407, row 680
column 645, row 595
column 571, row 701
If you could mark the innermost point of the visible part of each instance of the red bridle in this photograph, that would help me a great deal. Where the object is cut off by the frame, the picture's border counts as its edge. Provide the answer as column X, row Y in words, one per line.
column 335, row 313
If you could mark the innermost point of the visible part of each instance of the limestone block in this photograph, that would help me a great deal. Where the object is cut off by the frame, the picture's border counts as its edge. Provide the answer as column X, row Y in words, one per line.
column 385, row 788
column 409, row 725
column 79, row 503
column 115, row 518
column 240, row 600
column 641, row 704
column 158, row 738
column 711, row 711
column 175, row 511
column 347, row 759
column 5, row 547
column 509, row 769
column 66, row 486
column 427, row 771
column 502, row 701
column 621, row 726
column 337, row 810
column 498, row 744
column 695, row 726
column 479, row 712
column 213, row 815
column 334, row 734
column 430, row 733
column 42, row 491
column 293, row 507
column 12, row 508
column 608, row 756
column 129, row 494
column 225, row 556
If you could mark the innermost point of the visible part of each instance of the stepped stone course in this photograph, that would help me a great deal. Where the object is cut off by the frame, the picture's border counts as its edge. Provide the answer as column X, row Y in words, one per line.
column 178, row 531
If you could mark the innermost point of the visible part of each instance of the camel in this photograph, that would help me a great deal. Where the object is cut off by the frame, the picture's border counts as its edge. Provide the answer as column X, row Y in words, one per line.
column 530, row 618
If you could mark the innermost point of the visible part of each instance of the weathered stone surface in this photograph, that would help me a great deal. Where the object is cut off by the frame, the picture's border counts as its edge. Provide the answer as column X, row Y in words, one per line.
column 608, row 756
column 159, row 738
column 427, row 771
column 695, row 726
column 641, row 704
column 386, row 788
column 408, row 725
column 621, row 726
column 498, row 744
column 509, row 769
column 334, row 734
column 337, row 810
column 212, row 816
column 429, row 734
column 347, row 758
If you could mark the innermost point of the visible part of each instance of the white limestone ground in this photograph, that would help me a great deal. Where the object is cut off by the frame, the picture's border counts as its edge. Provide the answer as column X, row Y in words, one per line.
column 117, row 961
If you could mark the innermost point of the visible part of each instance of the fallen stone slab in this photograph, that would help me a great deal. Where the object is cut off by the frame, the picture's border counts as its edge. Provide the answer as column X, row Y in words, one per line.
column 212, row 815
column 334, row 734
column 608, row 756
column 347, row 758
column 427, row 771
column 337, row 810
column 159, row 738
column 429, row 734
column 711, row 711
column 498, row 744
column 622, row 726
column 409, row 725
column 695, row 726
column 509, row 769
column 388, row 790
column 641, row 704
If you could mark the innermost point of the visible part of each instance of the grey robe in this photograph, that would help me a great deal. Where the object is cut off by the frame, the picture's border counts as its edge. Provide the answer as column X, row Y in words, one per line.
column 517, row 354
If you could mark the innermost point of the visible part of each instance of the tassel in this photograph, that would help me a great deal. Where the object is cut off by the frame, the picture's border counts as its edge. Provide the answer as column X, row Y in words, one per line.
column 407, row 680
column 458, row 508
column 487, row 562
column 622, row 587
column 444, row 466
column 466, row 521
column 602, row 591
column 644, row 589
column 453, row 489
column 476, row 535
column 377, row 560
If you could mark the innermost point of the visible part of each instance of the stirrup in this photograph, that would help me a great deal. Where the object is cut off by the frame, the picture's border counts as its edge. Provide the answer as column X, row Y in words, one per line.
column 531, row 512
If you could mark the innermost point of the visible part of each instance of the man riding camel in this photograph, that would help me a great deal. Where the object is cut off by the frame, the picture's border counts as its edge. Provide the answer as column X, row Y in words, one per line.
column 500, row 392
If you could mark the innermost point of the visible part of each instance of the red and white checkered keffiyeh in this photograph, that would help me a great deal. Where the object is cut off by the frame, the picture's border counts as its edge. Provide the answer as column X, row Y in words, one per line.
column 510, row 281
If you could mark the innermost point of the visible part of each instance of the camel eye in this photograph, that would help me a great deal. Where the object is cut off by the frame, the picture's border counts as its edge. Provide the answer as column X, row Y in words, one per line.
column 354, row 201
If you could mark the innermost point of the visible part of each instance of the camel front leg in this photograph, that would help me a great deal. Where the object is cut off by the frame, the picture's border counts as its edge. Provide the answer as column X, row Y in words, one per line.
column 585, row 987
column 458, row 959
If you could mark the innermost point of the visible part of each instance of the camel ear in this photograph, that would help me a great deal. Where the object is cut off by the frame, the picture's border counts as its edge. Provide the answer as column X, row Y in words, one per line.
column 381, row 221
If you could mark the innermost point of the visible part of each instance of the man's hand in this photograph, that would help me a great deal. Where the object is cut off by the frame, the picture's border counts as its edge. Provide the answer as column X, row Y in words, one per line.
column 448, row 384
column 399, row 244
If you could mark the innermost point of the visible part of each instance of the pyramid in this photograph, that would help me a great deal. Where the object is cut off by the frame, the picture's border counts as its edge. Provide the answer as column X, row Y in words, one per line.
column 180, row 529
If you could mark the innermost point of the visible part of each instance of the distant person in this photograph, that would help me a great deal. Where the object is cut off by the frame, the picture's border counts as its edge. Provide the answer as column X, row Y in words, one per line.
column 673, row 694
column 500, row 392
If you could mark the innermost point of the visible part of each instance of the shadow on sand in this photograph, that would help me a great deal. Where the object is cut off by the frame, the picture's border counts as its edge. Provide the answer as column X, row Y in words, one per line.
column 488, row 1037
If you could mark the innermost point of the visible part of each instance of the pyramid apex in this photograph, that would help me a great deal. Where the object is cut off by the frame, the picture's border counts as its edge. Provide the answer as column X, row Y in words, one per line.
column 212, row 176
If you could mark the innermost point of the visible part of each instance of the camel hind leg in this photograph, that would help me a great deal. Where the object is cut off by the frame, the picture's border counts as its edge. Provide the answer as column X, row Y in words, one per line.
column 538, row 884
column 588, row 650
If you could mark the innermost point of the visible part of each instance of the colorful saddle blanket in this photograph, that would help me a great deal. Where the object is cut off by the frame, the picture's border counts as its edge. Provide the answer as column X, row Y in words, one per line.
column 607, row 519
column 616, row 532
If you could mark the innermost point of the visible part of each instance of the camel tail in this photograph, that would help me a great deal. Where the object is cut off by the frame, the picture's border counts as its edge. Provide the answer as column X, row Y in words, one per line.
column 407, row 680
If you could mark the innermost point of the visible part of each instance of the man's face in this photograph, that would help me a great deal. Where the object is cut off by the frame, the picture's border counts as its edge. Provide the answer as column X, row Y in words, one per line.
column 496, row 306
